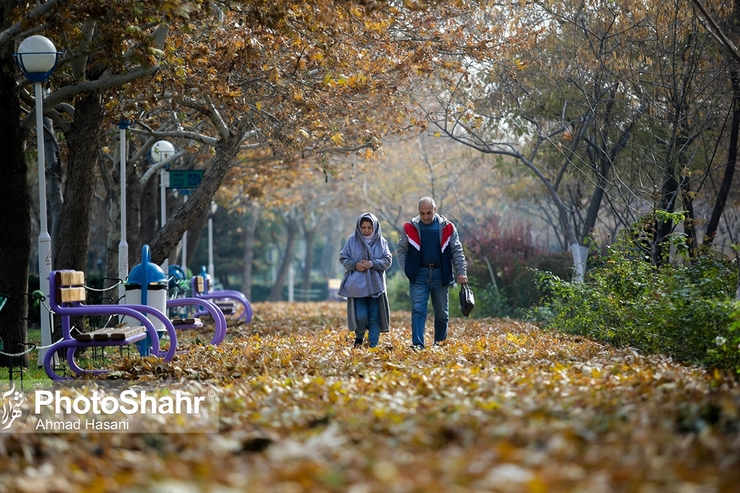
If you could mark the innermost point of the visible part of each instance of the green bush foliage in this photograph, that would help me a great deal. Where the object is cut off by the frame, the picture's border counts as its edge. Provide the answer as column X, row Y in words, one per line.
column 397, row 287
column 489, row 302
column 685, row 310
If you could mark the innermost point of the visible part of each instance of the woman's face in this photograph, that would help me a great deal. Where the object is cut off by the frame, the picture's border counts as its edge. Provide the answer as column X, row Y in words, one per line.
column 366, row 226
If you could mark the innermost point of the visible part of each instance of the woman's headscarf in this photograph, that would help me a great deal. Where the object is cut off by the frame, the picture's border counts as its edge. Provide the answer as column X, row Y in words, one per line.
column 377, row 234
column 359, row 246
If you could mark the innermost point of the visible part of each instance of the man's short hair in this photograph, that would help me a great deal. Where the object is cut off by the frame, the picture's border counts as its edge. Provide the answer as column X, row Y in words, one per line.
column 429, row 200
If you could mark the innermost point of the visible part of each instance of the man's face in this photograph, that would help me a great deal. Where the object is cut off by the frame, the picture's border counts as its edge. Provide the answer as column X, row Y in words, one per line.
column 426, row 211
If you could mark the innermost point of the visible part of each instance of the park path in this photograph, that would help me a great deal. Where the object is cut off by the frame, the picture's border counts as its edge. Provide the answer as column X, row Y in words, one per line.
column 502, row 407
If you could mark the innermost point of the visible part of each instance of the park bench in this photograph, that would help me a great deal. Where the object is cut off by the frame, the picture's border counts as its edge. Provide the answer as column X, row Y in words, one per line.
column 226, row 299
column 219, row 319
column 312, row 294
column 67, row 295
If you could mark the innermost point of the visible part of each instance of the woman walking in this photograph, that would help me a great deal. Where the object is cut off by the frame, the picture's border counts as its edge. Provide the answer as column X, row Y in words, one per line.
column 366, row 257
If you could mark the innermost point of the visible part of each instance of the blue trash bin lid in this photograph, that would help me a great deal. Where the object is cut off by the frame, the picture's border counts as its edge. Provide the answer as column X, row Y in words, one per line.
column 146, row 272
column 154, row 275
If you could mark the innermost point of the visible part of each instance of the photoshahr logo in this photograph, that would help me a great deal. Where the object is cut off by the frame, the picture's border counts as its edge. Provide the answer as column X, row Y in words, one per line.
column 12, row 402
column 133, row 407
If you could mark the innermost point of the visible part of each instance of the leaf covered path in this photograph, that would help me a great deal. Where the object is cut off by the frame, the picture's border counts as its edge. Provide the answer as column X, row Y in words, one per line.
column 502, row 407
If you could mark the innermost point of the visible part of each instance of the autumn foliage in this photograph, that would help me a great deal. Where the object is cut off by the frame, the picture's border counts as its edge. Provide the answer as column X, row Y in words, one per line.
column 502, row 407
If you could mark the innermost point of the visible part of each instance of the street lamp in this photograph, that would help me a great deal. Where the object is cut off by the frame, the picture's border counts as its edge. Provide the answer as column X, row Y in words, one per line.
column 214, row 208
column 37, row 59
column 123, row 244
column 162, row 151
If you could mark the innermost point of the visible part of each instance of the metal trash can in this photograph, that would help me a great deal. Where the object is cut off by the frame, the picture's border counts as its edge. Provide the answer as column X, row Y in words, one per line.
column 147, row 285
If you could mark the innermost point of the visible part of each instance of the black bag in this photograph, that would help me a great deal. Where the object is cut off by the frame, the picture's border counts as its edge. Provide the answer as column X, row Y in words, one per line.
column 467, row 300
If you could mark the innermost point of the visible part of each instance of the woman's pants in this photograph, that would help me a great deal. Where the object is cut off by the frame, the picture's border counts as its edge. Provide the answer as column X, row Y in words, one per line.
column 367, row 312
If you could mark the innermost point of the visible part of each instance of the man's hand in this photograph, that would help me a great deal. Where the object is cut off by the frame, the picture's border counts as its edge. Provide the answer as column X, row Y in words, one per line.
column 462, row 279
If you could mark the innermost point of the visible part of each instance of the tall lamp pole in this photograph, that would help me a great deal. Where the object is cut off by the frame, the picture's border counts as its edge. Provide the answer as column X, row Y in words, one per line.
column 123, row 244
column 162, row 151
column 37, row 58
column 214, row 208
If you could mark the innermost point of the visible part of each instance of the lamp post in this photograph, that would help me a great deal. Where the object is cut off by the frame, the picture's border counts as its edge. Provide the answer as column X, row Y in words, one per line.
column 123, row 244
column 162, row 151
column 214, row 208
column 37, row 59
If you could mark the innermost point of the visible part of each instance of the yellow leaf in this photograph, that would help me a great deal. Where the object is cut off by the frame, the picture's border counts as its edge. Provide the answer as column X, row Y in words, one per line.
column 338, row 138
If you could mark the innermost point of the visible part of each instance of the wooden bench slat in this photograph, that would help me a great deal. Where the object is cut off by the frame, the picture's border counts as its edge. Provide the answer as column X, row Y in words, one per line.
column 102, row 334
column 125, row 332
column 199, row 284
column 70, row 278
column 72, row 294
column 110, row 333
column 227, row 307
column 186, row 321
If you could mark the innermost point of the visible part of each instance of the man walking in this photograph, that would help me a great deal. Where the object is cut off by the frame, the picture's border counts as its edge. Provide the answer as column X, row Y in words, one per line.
column 431, row 256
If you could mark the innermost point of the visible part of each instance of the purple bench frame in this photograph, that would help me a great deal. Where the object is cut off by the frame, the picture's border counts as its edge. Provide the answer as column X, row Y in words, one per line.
column 220, row 294
column 79, row 309
column 210, row 308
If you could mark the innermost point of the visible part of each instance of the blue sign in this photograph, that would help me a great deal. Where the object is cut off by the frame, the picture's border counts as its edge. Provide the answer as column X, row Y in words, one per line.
column 185, row 178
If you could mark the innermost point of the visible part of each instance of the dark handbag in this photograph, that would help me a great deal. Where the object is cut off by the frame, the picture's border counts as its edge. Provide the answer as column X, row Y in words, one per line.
column 467, row 299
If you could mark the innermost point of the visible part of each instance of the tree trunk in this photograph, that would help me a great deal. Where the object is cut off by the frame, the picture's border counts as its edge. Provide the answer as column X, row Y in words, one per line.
column 291, row 224
column 200, row 200
column 15, row 204
column 689, row 224
column 54, row 179
column 114, row 229
column 308, row 262
column 195, row 233
column 606, row 160
column 249, row 232
column 149, row 216
column 84, row 142
column 669, row 195
column 594, row 204
column 724, row 189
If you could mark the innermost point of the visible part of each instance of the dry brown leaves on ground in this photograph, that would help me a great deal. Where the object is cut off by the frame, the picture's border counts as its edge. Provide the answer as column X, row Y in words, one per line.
column 502, row 407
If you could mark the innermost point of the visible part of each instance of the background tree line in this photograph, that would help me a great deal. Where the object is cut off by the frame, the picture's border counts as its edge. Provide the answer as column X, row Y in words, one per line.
column 587, row 116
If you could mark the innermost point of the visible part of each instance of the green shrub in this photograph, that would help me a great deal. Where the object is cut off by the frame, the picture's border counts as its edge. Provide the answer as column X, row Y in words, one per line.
column 725, row 353
column 397, row 287
column 489, row 302
column 685, row 310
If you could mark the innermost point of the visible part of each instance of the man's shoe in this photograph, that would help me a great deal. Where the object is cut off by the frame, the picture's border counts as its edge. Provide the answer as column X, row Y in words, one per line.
column 416, row 347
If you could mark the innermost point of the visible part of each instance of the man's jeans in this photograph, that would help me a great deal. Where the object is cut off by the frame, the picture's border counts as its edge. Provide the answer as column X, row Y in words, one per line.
column 367, row 312
column 429, row 282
